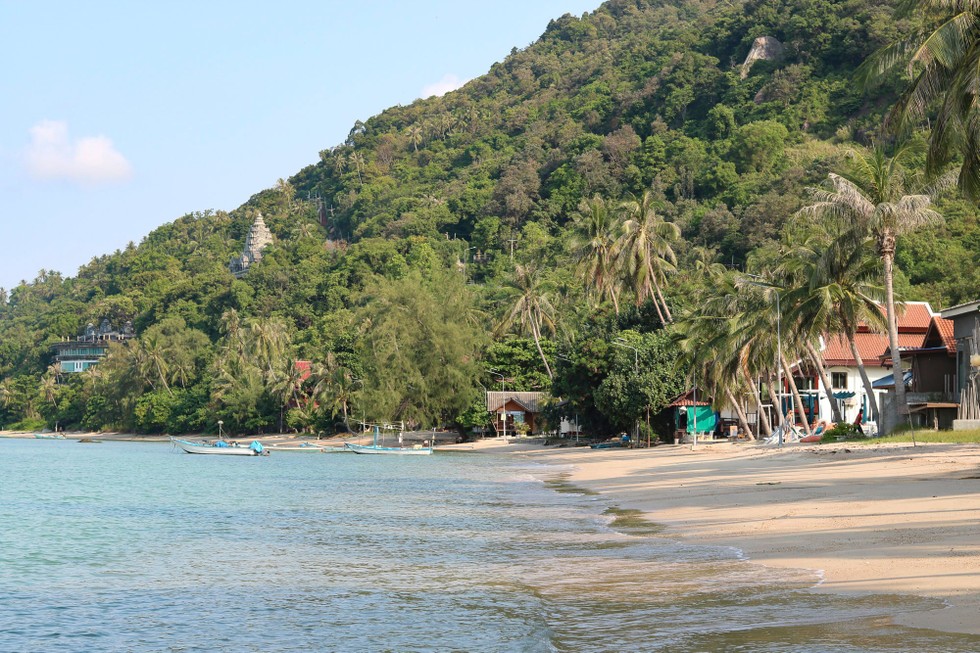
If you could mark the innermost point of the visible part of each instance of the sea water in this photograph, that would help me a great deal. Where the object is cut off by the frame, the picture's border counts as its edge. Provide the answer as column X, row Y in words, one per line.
column 137, row 547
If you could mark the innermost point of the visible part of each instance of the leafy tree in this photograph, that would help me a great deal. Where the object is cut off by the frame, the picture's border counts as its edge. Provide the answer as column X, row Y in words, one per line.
column 420, row 346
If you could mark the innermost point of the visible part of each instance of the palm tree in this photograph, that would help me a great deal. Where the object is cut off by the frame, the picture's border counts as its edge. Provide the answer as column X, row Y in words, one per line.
column 415, row 134
column 49, row 384
column 267, row 344
column 333, row 387
column 941, row 56
column 711, row 346
column 875, row 198
column 645, row 251
column 153, row 361
column 731, row 344
column 593, row 247
column 842, row 291
column 356, row 161
column 530, row 307
column 808, row 316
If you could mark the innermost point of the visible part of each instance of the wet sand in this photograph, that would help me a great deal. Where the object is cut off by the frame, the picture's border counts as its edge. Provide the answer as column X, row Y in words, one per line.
column 872, row 519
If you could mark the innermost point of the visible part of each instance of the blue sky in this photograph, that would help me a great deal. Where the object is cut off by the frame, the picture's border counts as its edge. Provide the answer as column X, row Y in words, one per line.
column 118, row 117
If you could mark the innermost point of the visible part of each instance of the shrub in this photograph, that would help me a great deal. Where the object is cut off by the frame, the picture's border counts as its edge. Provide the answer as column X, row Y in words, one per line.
column 842, row 430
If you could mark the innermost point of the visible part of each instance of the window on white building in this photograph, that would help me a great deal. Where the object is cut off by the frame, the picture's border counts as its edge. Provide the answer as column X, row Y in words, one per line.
column 838, row 380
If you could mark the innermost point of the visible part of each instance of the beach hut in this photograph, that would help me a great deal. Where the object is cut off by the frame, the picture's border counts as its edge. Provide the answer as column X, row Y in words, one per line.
column 694, row 418
column 516, row 413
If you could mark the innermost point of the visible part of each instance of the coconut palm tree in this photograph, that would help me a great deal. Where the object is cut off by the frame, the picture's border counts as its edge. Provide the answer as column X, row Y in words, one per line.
column 809, row 317
column 876, row 196
column 717, row 329
column 842, row 290
column 415, row 134
column 529, row 307
column 711, row 350
column 940, row 55
column 593, row 246
column 153, row 361
column 333, row 387
column 645, row 251
column 267, row 344
column 49, row 384
column 356, row 161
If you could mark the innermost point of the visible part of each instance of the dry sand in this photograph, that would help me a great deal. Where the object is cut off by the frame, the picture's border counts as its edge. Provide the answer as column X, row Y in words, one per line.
column 881, row 519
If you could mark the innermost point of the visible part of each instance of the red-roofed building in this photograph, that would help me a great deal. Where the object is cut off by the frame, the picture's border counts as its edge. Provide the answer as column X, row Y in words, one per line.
column 915, row 321
column 933, row 364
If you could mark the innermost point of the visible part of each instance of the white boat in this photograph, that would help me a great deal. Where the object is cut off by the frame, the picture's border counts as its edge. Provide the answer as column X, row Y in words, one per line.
column 379, row 449
column 221, row 448
column 302, row 447
column 49, row 436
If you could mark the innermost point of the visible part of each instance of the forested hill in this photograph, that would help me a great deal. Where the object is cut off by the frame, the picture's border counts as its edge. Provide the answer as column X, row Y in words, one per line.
column 431, row 209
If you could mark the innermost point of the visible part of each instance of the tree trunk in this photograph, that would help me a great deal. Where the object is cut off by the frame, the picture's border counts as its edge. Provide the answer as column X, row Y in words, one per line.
column 797, row 398
column 653, row 297
column 888, row 255
column 660, row 296
column 615, row 300
column 774, row 398
column 868, row 389
column 537, row 341
column 825, row 379
column 742, row 418
column 761, row 418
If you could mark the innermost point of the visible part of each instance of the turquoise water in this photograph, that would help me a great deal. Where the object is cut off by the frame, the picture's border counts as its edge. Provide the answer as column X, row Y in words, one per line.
column 138, row 547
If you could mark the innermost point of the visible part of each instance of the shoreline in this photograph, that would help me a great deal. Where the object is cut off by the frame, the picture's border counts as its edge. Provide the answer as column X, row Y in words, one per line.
column 870, row 519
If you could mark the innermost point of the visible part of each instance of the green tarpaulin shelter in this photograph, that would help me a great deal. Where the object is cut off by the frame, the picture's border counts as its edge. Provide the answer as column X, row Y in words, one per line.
column 701, row 416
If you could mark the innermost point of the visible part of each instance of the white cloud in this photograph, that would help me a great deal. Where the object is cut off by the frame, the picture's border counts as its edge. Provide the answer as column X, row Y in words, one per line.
column 448, row 83
column 52, row 154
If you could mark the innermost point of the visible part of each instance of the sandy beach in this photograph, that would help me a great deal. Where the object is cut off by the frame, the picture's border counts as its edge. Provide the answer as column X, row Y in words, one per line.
column 873, row 519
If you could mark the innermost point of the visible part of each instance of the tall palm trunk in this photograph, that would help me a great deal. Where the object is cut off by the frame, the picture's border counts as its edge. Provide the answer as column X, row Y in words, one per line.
column 742, row 417
column 762, row 418
column 615, row 300
column 537, row 341
column 652, row 295
column 660, row 295
column 797, row 398
column 901, row 407
column 825, row 379
column 774, row 398
column 869, row 390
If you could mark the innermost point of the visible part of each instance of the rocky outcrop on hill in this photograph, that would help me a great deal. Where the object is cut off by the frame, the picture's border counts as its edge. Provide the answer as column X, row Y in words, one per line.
column 764, row 48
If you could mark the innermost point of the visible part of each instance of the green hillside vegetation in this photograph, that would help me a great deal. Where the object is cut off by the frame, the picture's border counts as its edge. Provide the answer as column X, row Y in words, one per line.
column 541, row 228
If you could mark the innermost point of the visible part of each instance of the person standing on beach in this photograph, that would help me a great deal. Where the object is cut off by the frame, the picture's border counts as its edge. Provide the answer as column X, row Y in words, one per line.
column 857, row 422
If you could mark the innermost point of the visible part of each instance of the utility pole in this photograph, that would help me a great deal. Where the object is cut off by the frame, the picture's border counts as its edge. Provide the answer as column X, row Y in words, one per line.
column 512, row 241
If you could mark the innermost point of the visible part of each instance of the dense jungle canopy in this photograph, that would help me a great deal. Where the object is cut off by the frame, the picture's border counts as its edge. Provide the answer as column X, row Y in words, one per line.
column 456, row 244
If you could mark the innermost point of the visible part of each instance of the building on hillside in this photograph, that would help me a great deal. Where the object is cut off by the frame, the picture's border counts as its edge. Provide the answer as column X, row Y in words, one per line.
column 81, row 353
column 259, row 237
column 966, row 333
column 914, row 322
column 516, row 413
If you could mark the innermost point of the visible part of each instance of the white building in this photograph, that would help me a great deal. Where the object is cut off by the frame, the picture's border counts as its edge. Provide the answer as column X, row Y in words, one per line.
column 842, row 368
